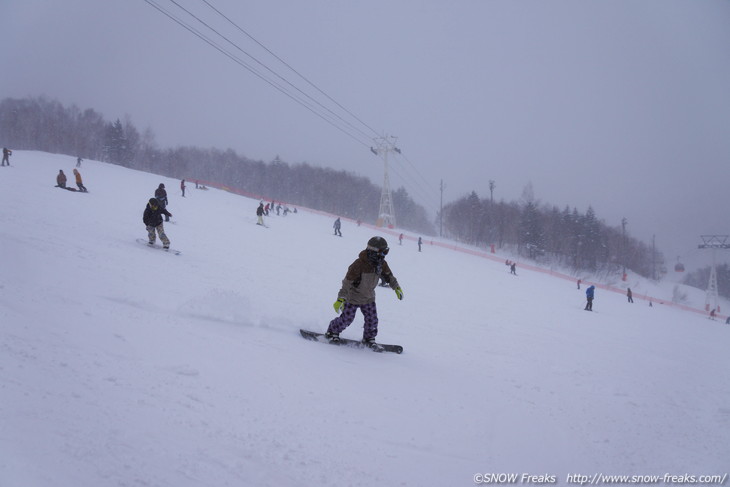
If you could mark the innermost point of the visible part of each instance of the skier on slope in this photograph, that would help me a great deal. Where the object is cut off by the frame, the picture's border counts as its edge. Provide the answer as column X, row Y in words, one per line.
column 589, row 298
column 358, row 291
column 6, row 156
column 260, row 214
column 152, row 219
column 337, row 225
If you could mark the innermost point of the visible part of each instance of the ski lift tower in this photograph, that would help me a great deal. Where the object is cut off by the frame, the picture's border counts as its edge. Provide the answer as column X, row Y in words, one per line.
column 713, row 242
column 383, row 146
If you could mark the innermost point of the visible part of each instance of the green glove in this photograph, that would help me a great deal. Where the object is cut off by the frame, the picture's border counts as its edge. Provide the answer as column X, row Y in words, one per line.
column 399, row 293
column 339, row 304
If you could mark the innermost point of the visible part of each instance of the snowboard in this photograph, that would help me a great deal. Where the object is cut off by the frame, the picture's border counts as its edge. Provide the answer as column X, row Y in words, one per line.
column 69, row 188
column 157, row 246
column 319, row 337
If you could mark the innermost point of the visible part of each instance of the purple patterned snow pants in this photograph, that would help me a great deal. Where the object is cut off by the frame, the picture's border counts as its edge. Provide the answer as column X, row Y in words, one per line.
column 369, row 311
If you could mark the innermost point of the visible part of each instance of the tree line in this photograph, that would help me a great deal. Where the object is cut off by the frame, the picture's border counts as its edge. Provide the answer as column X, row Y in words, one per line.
column 549, row 235
column 39, row 123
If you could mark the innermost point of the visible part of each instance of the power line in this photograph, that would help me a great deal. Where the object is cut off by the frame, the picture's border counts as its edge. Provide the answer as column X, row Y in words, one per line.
column 243, row 64
column 291, row 68
column 310, row 103
column 260, row 63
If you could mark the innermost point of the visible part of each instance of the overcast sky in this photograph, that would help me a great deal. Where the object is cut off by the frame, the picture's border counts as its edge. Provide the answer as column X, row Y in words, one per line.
column 623, row 105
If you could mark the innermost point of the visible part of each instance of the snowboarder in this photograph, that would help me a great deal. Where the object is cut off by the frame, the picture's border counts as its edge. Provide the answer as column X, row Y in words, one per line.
column 161, row 195
column 400, row 239
column 630, row 295
column 61, row 179
column 337, row 226
column 260, row 214
column 420, row 242
column 6, row 156
column 182, row 187
column 78, row 162
column 358, row 291
column 79, row 183
column 589, row 297
column 152, row 219
column 513, row 268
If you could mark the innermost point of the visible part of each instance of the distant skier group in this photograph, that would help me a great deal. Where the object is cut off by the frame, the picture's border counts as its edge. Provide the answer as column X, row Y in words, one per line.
column 61, row 181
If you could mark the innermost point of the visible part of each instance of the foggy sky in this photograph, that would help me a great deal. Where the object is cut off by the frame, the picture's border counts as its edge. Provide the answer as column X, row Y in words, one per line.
column 623, row 105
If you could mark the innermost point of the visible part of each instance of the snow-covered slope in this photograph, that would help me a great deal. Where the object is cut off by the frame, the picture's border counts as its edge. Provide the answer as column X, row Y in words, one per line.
column 122, row 365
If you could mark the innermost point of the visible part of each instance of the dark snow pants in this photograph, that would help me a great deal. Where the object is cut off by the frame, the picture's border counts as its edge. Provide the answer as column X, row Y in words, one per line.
column 369, row 311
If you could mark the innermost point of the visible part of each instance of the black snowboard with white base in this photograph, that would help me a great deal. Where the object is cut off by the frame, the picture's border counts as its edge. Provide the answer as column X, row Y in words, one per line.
column 146, row 243
column 319, row 337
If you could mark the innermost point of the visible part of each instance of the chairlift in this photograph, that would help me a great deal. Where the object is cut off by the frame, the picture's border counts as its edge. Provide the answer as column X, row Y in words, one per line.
column 678, row 267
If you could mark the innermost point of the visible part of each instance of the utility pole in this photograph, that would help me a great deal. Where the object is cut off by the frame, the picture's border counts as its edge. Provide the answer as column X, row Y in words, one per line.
column 653, row 257
column 713, row 242
column 441, row 212
column 383, row 146
column 492, row 185
column 624, row 221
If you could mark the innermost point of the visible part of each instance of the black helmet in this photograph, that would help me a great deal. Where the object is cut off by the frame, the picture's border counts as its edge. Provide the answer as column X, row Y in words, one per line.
column 379, row 245
column 154, row 202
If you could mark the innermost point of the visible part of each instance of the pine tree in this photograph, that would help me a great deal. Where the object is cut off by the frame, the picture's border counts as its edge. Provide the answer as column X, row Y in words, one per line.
column 531, row 232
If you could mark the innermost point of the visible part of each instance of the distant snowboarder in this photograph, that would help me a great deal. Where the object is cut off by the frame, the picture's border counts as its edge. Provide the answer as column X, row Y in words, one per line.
column 6, row 156
column 79, row 182
column 182, row 187
column 161, row 195
column 630, row 295
column 152, row 218
column 337, row 226
column 358, row 291
column 61, row 179
column 260, row 214
column 589, row 297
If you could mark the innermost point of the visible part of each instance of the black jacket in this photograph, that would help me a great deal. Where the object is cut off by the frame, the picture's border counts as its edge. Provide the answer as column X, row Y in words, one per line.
column 153, row 218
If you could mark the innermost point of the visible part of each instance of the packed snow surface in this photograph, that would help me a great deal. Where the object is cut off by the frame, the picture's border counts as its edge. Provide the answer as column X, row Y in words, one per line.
column 122, row 365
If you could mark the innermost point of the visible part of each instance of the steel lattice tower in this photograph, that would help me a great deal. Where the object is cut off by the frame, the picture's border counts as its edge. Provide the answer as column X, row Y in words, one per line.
column 713, row 242
column 386, row 215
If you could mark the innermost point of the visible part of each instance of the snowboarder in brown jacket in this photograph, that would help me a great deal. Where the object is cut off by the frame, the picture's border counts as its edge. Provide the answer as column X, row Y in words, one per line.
column 358, row 291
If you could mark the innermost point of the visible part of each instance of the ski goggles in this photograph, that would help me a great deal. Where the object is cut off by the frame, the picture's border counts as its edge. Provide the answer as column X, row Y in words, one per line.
column 382, row 252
